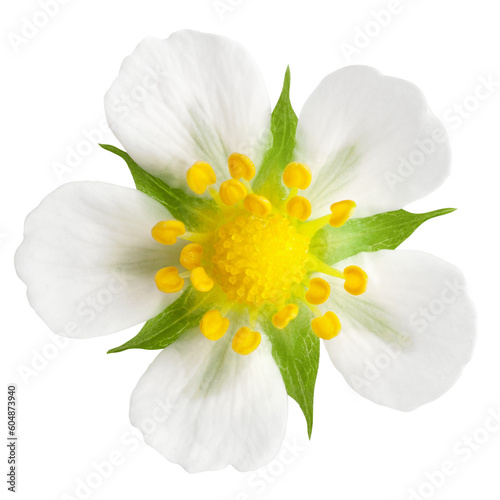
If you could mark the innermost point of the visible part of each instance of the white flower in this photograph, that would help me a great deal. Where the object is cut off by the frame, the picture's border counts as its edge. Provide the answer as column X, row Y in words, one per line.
column 399, row 324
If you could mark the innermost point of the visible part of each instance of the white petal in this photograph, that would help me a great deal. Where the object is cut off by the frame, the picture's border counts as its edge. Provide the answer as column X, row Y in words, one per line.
column 405, row 341
column 372, row 139
column 89, row 260
column 203, row 406
column 192, row 97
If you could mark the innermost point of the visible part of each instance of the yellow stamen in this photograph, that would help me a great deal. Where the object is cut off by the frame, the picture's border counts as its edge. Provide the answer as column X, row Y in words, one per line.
column 257, row 205
column 200, row 279
column 315, row 264
column 319, row 291
column 197, row 237
column 285, row 315
column 241, row 166
column 311, row 227
column 245, row 341
column 253, row 316
column 213, row 325
column 232, row 191
column 356, row 280
column 166, row 231
column 200, row 176
column 191, row 256
column 326, row 327
column 297, row 175
column 293, row 192
column 168, row 280
column 215, row 195
column 299, row 207
column 341, row 211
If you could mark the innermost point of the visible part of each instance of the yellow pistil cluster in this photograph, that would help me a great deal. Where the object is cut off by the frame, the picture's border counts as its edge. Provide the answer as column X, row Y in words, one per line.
column 258, row 255
column 259, row 260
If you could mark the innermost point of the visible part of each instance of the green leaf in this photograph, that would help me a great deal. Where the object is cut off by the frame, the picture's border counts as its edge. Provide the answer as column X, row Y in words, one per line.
column 283, row 126
column 162, row 330
column 198, row 214
column 378, row 232
column 296, row 352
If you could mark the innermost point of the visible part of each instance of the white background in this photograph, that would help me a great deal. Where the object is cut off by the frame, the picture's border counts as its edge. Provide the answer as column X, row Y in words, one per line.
column 73, row 408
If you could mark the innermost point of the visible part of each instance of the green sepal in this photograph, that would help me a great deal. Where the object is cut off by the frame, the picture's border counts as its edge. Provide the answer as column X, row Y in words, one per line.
column 197, row 214
column 378, row 232
column 165, row 328
column 268, row 181
column 296, row 352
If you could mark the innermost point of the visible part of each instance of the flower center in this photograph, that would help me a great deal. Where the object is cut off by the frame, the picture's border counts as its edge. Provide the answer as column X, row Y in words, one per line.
column 258, row 260
column 260, row 257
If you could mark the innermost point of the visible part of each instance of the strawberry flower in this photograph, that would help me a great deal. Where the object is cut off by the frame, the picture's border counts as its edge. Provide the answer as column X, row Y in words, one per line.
column 251, row 236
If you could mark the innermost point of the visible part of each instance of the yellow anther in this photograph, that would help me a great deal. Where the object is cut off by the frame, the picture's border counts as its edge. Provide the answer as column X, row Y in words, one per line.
column 246, row 341
column 200, row 279
column 200, row 176
column 257, row 205
column 356, row 280
column 319, row 291
column 168, row 280
column 166, row 231
column 341, row 211
column 326, row 327
column 297, row 175
column 299, row 207
column 232, row 191
column 191, row 256
column 213, row 325
column 285, row 315
column 241, row 166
